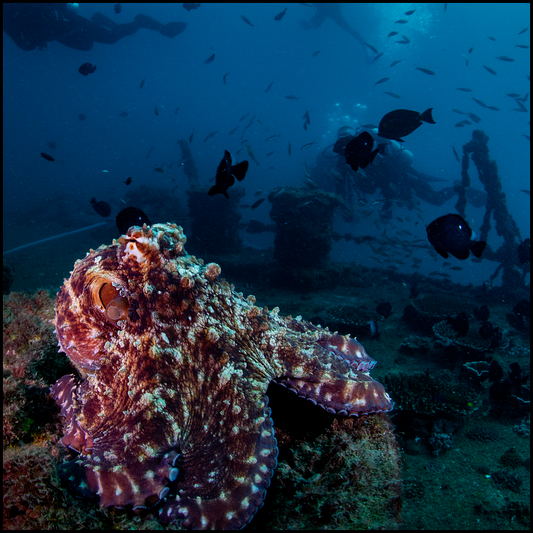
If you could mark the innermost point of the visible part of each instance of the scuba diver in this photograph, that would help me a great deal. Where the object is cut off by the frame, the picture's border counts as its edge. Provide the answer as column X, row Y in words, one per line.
column 332, row 11
column 391, row 173
column 32, row 26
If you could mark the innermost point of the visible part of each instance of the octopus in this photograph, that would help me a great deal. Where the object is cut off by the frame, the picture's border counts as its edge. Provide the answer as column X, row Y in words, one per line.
column 174, row 367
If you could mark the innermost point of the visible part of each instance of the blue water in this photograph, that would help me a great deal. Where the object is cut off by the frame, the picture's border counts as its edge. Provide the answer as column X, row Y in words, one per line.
column 44, row 94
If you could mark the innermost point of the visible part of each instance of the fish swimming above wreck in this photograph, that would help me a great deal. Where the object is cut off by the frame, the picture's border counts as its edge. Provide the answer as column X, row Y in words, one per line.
column 227, row 174
column 451, row 234
column 402, row 122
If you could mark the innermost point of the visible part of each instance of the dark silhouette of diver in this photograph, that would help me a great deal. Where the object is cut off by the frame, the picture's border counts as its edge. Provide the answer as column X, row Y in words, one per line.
column 34, row 25
column 332, row 11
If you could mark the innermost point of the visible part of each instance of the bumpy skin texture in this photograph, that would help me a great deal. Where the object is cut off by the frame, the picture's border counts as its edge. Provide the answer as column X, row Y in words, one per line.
column 175, row 369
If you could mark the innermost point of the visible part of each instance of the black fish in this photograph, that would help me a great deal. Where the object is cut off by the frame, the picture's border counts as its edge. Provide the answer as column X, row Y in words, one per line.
column 131, row 216
column 257, row 203
column 87, row 69
column 142, row 84
column 384, row 309
column 128, row 181
column 482, row 313
column 47, row 157
column 401, row 122
column 492, row 71
column 227, row 174
column 456, row 154
column 247, row 21
column 210, row 135
column 382, row 80
column 209, row 60
column 522, row 308
column 224, row 78
column 279, row 16
column 524, row 251
column 488, row 330
column 268, row 89
column 452, row 234
column 358, row 151
column 425, row 71
column 118, row 8
column 459, row 323
column 101, row 208
column 82, row 117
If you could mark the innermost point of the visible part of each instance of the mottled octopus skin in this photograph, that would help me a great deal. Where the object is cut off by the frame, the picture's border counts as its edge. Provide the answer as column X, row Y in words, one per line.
column 174, row 380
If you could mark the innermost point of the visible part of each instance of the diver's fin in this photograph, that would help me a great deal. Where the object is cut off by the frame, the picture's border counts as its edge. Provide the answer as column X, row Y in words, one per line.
column 172, row 29
column 147, row 22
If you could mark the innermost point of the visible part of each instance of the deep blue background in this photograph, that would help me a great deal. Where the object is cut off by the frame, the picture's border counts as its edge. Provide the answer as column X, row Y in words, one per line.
column 44, row 94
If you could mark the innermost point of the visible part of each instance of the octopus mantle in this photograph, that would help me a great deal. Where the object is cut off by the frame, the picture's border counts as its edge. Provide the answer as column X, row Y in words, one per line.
column 175, row 369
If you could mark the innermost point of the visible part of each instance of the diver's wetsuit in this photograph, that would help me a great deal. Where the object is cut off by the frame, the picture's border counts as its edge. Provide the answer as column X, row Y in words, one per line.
column 33, row 25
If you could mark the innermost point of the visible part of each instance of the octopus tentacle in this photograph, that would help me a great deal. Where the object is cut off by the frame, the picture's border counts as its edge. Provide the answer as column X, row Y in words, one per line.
column 210, row 496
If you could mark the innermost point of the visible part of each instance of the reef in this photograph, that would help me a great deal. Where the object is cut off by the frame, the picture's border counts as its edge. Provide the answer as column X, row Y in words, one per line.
column 349, row 318
column 415, row 345
column 472, row 342
column 423, row 393
column 175, row 367
column 440, row 305
column 30, row 364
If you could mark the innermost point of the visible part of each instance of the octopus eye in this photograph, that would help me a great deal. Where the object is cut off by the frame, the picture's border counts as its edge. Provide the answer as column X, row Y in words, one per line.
column 116, row 307
column 107, row 294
